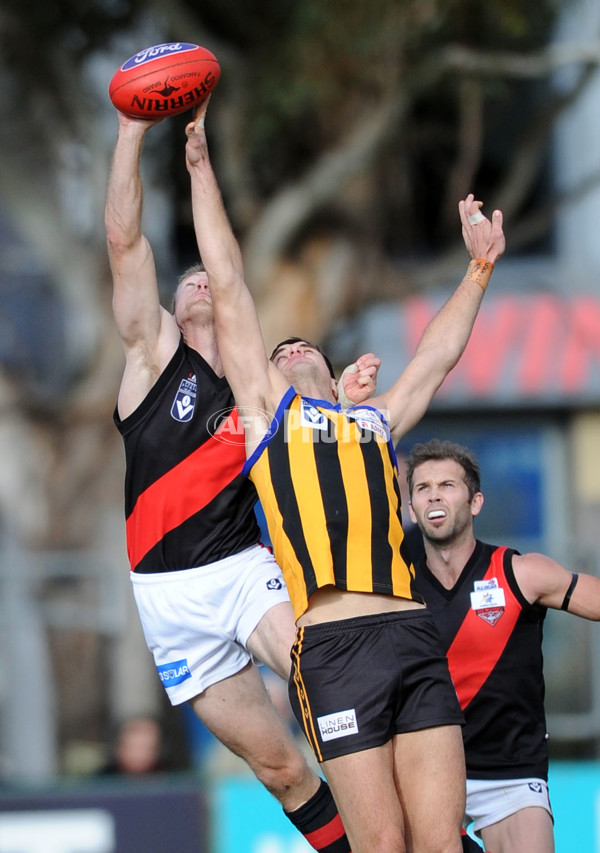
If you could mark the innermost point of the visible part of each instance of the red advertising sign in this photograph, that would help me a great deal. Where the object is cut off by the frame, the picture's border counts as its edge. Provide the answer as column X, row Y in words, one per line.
column 525, row 349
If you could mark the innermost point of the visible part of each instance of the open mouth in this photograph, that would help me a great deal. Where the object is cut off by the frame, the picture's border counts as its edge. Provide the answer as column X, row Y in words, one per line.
column 435, row 514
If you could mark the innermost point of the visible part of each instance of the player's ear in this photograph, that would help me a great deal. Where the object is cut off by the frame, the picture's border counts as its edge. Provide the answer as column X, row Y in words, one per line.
column 411, row 512
column 334, row 388
column 476, row 503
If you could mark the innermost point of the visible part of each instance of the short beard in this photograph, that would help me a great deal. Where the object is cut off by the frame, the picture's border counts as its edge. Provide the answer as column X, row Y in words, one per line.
column 446, row 537
column 443, row 539
column 301, row 370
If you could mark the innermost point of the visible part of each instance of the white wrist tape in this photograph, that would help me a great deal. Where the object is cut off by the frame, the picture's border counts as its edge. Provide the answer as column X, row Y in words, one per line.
column 343, row 399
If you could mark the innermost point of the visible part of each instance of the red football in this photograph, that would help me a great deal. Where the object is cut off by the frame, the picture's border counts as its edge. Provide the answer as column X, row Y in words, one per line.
column 164, row 80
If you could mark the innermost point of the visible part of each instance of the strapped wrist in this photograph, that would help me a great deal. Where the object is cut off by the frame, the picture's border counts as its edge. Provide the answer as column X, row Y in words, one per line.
column 343, row 399
column 480, row 271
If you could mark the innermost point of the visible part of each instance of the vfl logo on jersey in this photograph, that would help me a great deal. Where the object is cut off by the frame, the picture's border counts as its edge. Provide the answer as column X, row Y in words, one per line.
column 274, row 583
column 185, row 400
column 488, row 600
column 370, row 420
column 311, row 417
column 174, row 673
column 340, row 724
column 536, row 787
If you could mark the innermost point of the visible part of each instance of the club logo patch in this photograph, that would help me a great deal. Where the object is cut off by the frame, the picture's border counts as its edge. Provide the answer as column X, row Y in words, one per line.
column 184, row 403
column 536, row 787
column 274, row 583
column 488, row 600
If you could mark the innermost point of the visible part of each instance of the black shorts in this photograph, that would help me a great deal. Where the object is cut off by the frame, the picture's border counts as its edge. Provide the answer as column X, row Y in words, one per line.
column 358, row 682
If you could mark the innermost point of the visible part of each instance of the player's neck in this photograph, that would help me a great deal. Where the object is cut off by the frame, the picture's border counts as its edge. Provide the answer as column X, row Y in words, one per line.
column 313, row 388
column 204, row 340
column 447, row 560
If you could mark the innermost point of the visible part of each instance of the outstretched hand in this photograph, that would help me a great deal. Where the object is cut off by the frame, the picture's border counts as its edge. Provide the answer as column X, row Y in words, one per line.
column 483, row 239
column 196, row 144
column 358, row 382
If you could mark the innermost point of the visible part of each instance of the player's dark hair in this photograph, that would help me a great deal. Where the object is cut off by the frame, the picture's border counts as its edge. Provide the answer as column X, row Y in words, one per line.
column 294, row 340
column 436, row 449
column 198, row 267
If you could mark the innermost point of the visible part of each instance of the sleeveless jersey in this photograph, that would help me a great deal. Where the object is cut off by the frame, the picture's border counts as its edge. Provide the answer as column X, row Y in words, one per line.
column 327, row 483
column 187, row 502
column 493, row 641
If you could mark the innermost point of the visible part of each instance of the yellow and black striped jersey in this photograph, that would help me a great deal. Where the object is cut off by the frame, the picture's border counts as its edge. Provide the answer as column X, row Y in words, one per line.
column 327, row 482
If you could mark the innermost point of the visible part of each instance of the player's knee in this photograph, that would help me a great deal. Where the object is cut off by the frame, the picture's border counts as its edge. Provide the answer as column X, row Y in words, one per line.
column 438, row 837
column 283, row 776
column 382, row 840
column 451, row 844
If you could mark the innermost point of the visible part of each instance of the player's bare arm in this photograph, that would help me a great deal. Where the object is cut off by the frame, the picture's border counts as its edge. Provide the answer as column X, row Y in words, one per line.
column 149, row 333
column 254, row 380
column 544, row 581
column 447, row 335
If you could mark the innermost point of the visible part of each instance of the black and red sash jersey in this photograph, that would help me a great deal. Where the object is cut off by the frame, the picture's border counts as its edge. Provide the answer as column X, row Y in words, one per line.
column 186, row 501
column 493, row 641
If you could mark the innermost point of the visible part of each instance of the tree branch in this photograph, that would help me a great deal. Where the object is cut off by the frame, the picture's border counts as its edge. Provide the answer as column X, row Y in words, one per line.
column 290, row 208
column 518, row 65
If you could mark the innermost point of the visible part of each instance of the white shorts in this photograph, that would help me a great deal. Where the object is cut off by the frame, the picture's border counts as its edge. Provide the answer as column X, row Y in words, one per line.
column 489, row 801
column 197, row 621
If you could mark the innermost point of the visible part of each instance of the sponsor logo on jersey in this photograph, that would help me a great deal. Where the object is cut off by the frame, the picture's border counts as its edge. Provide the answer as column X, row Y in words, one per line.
column 489, row 583
column 274, row 583
column 339, row 724
column 369, row 420
column 184, row 403
column 488, row 600
column 174, row 673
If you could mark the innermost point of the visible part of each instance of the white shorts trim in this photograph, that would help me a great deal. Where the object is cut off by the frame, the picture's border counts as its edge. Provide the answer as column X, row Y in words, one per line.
column 197, row 621
column 489, row 801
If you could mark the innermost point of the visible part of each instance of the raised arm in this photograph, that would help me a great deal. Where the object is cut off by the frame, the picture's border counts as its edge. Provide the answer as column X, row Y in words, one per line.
column 254, row 380
column 148, row 332
column 447, row 335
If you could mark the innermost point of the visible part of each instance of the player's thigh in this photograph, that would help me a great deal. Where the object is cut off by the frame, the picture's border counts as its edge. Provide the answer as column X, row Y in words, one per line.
column 272, row 639
column 239, row 712
column 430, row 775
column 527, row 831
column 363, row 787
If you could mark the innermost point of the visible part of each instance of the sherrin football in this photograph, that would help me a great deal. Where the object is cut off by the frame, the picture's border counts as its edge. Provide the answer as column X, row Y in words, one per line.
column 164, row 80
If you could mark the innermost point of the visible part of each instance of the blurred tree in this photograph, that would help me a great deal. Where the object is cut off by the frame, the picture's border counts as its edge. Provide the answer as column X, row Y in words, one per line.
column 343, row 134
